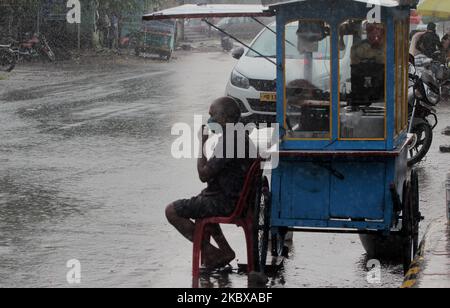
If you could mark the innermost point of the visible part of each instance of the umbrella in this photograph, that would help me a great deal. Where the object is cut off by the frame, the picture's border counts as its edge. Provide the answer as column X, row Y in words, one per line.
column 435, row 8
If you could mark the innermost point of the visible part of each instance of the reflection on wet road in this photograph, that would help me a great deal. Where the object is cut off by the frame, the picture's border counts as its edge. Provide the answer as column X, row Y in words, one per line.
column 86, row 172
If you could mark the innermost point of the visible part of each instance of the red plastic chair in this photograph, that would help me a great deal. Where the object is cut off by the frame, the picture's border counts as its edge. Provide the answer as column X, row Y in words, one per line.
column 242, row 217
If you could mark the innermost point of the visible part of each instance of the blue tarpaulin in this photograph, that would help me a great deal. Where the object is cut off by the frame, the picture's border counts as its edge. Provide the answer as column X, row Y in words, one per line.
column 54, row 9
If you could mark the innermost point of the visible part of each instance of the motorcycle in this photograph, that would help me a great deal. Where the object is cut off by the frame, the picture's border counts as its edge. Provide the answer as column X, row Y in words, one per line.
column 424, row 94
column 7, row 58
column 441, row 71
column 226, row 43
column 34, row 47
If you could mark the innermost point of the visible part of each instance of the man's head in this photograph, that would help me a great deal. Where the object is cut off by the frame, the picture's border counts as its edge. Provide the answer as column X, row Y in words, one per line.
column 431, row 27
column 375, row 34
column 225, row 110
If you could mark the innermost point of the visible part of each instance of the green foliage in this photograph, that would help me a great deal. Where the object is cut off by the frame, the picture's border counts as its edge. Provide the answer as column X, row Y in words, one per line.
column 24, row 4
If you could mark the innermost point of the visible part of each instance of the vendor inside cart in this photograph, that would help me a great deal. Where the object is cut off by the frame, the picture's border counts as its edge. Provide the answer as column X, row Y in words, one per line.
column 367, row 67
column 362, row 62
column 362, row 99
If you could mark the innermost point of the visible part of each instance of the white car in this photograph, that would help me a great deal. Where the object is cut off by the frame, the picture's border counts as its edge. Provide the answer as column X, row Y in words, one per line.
column 253, row 80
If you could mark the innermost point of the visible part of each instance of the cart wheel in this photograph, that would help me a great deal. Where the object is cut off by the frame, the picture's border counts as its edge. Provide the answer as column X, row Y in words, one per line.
column 261, row 224
column 408, row 226
column 279, row 249
column 417, row 216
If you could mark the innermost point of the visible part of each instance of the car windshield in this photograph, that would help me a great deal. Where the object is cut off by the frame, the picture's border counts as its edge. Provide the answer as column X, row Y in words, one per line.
column 266, row 45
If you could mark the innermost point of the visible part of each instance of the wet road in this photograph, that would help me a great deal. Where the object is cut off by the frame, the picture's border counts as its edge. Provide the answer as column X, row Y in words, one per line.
column 86, row 172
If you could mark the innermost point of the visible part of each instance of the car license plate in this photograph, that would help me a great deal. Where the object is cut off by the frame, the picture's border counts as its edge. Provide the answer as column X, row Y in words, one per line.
column 268, row 98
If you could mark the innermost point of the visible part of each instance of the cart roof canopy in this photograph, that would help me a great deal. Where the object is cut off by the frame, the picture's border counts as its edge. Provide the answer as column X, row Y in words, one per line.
column 210, row 10
column 385, row 3
column 246, row 10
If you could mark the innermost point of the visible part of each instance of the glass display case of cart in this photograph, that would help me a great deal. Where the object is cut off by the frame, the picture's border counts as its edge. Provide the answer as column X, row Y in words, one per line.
column 342, row 79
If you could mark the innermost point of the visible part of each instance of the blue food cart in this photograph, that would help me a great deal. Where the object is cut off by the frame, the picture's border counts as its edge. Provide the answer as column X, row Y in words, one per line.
column 343, row 126
column 343, row 118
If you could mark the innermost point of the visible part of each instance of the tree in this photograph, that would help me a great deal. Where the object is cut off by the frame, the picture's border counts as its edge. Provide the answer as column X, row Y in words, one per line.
column 20, row 16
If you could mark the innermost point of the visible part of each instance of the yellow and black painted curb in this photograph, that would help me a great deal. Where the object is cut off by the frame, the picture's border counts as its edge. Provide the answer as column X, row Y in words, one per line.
column 416, row 269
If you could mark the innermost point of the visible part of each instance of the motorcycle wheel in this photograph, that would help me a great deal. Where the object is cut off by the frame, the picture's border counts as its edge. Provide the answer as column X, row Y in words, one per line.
column 7, row 62
column 51, row 56
column 47, row 55
column 419, row 149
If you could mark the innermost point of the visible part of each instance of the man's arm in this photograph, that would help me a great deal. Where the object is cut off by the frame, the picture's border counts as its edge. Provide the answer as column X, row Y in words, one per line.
column 203, row 171
column 207, row 170
column 438, row 42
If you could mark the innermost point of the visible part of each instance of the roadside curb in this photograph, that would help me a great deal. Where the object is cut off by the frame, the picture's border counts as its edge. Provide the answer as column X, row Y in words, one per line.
column 417, row 266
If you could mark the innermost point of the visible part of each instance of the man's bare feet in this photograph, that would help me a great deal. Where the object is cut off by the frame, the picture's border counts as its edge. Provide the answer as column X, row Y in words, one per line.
column 215, row 258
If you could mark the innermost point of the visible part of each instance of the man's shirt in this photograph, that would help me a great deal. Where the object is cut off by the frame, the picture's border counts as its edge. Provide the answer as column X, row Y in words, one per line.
column 363, row 51
column 429, row 43
column 414, row 43
column 229, row 173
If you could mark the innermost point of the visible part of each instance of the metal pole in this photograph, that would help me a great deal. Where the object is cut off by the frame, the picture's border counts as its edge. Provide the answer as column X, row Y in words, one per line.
column 38, row 22
column 182, row 27
column 79, row 37
column 448, row 196
column 240, row 42
column 309, row 58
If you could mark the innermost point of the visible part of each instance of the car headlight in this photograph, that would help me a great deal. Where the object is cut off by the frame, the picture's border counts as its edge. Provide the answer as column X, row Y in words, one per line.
column 239, row 80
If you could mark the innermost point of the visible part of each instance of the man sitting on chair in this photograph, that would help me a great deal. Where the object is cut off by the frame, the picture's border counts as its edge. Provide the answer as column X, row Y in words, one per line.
column 225, row 178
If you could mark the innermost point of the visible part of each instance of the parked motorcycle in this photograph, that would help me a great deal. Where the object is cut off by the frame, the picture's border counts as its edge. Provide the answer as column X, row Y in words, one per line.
column 226, row 43
column 7, row 58
column 441, row 71
column 424, row 94
column 35, row 47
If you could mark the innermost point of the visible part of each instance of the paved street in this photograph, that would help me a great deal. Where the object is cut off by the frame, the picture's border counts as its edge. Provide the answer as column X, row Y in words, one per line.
column 86, row 172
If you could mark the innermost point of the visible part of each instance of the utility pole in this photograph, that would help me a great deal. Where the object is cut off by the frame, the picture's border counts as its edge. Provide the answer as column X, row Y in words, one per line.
column 38, row 21
column 181, row 2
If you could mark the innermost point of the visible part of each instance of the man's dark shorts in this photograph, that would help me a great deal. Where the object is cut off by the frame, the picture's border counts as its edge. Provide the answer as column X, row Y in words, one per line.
column 204, row 206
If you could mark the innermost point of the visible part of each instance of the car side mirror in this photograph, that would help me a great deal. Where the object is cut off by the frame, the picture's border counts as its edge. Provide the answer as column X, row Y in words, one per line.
column 238, row 52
